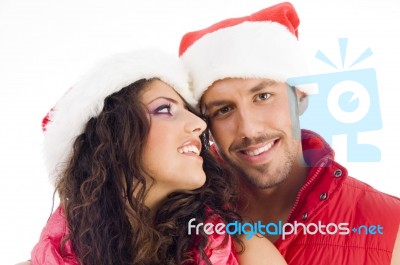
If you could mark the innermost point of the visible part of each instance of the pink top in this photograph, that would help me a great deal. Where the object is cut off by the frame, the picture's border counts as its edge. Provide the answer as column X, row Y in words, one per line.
column 48, row 249
column 220, row 256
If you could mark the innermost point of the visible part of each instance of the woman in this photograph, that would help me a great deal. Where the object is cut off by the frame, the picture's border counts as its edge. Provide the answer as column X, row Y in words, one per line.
column 123, row 149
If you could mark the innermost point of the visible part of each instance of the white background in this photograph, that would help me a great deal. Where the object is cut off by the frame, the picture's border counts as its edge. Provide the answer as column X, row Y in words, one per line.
column 45, row 45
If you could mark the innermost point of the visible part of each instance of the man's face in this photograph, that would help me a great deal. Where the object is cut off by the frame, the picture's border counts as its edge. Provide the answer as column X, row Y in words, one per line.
column 254, row 123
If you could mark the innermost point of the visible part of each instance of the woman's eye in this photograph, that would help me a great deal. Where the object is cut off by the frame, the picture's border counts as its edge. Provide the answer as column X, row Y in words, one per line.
column 263, row 96
column 164, row 109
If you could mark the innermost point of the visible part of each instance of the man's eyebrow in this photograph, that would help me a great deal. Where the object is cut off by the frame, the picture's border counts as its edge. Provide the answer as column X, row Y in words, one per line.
column 216, row 103
column 261, row 86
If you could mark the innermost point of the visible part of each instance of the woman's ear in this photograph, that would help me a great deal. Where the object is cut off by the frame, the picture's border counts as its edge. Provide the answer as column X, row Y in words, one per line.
column 302, row 101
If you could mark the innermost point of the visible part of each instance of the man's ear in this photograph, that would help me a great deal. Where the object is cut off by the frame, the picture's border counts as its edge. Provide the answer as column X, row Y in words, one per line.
column 302, row 101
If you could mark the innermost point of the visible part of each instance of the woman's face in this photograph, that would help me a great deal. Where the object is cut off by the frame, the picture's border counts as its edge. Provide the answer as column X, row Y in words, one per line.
column 171, row 153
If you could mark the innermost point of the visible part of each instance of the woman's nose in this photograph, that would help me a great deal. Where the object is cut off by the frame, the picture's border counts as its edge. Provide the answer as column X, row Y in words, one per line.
column 195, row 124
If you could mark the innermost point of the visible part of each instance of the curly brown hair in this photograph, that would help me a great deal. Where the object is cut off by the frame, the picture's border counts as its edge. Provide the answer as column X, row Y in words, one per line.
column 107, row 223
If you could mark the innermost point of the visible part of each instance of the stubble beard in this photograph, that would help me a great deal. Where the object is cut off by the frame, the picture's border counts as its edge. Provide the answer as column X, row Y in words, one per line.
column 264, row 178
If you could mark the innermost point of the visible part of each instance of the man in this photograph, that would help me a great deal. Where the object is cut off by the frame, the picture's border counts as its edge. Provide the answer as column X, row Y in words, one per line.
column 240, row 69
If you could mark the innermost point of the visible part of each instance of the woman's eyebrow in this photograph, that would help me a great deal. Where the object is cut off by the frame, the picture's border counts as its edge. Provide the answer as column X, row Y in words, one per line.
column 166, row 98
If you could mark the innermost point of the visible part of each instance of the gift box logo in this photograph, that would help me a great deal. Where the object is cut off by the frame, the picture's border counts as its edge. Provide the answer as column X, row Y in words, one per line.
column 347, row 103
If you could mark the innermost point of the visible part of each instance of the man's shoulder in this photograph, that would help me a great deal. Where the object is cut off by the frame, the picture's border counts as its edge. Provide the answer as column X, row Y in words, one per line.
column 369, row 219
column 353, row 191
column 369, row 205
column 363, row 191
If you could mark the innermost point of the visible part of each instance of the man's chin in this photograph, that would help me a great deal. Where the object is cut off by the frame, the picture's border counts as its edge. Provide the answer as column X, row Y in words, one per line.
column 263, row 182
column 263, row 178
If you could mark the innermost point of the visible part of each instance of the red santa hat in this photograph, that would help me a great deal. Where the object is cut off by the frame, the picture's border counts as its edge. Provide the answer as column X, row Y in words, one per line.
column 67, row 119
column 262, row 45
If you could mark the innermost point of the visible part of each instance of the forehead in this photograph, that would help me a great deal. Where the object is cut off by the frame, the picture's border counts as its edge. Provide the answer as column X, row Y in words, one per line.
column 157, row 89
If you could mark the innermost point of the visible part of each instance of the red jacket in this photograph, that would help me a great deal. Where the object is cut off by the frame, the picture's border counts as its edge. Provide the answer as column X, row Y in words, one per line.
column 331, row 196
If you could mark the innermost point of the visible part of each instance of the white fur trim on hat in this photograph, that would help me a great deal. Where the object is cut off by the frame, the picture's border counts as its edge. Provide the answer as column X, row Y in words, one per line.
column 86, row 99
column 247, row 50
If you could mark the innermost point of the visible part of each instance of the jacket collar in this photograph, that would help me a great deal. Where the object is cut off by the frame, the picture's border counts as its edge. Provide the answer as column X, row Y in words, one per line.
column 315, row 148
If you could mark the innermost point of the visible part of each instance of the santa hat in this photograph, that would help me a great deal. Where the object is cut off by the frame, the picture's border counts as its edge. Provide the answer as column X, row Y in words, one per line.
column 261, row 45
column 85, row 100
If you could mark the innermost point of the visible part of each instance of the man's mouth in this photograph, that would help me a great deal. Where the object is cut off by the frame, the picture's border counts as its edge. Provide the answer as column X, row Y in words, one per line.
column 259, row 150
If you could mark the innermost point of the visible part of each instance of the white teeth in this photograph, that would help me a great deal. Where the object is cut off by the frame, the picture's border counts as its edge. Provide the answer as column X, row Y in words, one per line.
column 260, row 150
column 189, row 149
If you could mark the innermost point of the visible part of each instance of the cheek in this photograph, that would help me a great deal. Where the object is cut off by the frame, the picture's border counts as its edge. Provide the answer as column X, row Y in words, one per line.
column 157, row 149
column 158, row 162
column 154, row 140
column 221, row 133
column 285, row 117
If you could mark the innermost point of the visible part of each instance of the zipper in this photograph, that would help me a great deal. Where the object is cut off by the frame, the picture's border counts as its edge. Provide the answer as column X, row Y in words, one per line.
column 305, row 186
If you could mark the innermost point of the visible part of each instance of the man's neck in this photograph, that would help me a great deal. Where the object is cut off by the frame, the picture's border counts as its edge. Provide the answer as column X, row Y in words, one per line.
column 273, row 204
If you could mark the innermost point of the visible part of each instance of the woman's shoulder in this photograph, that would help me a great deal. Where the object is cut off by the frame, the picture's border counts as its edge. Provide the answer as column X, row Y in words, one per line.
column 56, row 226
column 220, row 248
column 259, row 250
column 49, row 249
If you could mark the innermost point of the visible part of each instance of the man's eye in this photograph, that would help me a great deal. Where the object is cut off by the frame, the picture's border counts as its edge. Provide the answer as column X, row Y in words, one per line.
column 220, row 112
column 263, row 96
column 223, row 110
